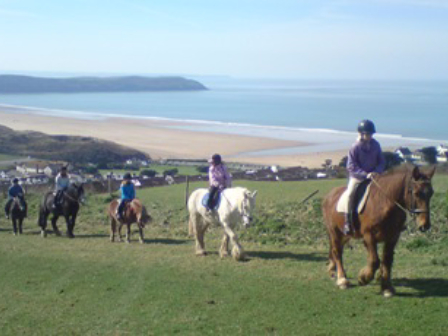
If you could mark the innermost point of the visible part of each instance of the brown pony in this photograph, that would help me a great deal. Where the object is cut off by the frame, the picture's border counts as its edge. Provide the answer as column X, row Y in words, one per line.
column 392, row 195
column 133, row 212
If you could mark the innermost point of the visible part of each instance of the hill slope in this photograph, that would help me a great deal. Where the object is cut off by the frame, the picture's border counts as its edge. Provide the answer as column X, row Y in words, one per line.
column 62, row 147
column 28, row 84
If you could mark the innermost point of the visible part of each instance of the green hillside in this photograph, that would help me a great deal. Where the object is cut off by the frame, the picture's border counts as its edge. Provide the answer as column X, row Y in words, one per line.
column 64, row 148
column 13, row 84
column 89, row 286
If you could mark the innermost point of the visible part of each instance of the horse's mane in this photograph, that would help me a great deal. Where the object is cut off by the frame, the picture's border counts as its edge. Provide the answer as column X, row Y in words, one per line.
column 392, row 182
column 398, row 170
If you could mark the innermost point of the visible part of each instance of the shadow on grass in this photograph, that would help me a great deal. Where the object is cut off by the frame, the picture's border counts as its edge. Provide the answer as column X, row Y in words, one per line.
column 92, row 235
column 288, row 255
column 436, row 287
column 166, row 241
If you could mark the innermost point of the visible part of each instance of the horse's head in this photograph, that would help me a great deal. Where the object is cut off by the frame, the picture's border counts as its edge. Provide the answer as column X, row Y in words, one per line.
column 420, row 192
column 76, row 191
column 247, row 207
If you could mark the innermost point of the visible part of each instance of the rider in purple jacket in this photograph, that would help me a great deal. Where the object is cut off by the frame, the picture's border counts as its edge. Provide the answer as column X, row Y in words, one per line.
column 219, row 179
column 365, row 159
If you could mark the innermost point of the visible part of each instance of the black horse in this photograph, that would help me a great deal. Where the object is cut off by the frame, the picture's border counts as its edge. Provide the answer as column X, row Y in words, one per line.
column 68, row 207
column 18, row 213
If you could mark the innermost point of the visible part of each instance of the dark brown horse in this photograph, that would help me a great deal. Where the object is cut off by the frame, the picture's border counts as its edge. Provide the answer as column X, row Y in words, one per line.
column 133, row 212
column 392, row 196
column 18, row 213
column 69, row 207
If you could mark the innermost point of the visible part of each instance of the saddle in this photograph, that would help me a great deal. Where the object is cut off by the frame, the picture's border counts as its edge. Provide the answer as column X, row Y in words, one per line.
column 358, row 202
column 216, row 202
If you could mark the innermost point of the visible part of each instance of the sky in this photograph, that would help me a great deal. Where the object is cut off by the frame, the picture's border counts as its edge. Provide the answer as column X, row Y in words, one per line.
column 302, row 39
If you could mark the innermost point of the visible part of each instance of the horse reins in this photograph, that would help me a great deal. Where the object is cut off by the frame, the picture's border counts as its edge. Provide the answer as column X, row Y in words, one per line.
column 411, row 212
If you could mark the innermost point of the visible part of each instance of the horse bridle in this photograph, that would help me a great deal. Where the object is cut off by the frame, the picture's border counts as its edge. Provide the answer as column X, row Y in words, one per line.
column 413, row 211
column 243, row 213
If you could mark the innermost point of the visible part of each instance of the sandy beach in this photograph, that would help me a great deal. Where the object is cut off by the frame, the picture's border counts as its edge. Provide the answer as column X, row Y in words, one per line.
column 161, row 140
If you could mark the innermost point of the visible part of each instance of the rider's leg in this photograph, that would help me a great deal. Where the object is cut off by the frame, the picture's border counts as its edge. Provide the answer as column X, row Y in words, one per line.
column 8, row 207
column 120, row 208
column 213, row 192
column 348, row 223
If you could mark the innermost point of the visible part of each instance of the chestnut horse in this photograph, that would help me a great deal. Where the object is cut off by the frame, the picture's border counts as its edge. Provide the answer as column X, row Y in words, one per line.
column 392, row 195
column 133, row 212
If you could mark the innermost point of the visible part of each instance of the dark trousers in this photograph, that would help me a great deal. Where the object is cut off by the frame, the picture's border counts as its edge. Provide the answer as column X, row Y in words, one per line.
column 58, row 197
column 212, row 197
column 121, row 206
column 8, row 206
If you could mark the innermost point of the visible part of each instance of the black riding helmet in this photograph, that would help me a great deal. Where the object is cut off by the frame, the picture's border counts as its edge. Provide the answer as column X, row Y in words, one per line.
column 15, row 180
column 216, row 159
column 127, row 176
column 366, row 126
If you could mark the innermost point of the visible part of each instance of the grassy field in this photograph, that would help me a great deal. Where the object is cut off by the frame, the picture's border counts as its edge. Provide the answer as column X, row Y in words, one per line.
column 90, row 286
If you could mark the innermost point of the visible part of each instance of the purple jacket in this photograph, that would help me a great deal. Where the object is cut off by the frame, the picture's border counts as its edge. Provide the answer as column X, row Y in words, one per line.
column 364, row 158
column 219, row 177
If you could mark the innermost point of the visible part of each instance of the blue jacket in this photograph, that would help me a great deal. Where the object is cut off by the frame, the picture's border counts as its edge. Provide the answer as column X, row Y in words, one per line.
column 127, row 191
column 15, row 190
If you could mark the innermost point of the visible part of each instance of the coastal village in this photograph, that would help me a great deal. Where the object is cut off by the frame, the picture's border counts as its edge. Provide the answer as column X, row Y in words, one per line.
column 41, row 172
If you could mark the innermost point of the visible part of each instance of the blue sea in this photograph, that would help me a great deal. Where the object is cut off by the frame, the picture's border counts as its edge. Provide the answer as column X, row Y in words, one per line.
column 275, row 108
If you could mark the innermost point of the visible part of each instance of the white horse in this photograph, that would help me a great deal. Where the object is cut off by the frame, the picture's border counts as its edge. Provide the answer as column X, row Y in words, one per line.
column 236, row 206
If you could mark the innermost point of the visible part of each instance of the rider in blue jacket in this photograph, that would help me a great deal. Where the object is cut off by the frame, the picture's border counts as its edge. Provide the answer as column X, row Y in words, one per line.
column 15, row 191
column 127, row 190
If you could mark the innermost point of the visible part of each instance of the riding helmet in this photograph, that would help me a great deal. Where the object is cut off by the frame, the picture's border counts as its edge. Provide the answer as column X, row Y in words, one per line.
column 216, row 159
column 366, row 126
column 127, row 176
column 15, row 180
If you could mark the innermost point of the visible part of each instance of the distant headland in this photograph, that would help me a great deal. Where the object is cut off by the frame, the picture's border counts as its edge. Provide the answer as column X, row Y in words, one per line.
column 17, row 84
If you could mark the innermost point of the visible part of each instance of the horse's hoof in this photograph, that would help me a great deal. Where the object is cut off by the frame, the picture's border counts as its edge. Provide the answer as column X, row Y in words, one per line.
column 388, row 293
column 343, row 283
column 239, row 257
column 201, row 254
column 58, row 233
column 224, row 255
column 141, row 241
column 14, row 233
column 43, row 234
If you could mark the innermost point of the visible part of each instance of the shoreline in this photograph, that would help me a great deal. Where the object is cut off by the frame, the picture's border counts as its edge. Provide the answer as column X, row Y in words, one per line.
column 178, row 139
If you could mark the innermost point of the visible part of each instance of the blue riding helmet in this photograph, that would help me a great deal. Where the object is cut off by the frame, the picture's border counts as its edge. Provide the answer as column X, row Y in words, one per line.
column 366, row 126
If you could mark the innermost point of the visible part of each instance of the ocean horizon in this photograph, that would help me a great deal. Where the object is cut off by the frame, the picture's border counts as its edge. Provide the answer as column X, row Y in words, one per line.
column 405, row 112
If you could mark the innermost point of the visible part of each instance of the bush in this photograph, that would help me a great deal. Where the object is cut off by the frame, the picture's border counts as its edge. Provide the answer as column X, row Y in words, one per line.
column 170, row 172
column 131, row 167
column 202, row 169
column 91, row 170
column 148, row 172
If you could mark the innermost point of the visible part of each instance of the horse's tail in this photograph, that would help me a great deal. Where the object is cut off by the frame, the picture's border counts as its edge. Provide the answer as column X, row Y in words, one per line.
column 41, row 220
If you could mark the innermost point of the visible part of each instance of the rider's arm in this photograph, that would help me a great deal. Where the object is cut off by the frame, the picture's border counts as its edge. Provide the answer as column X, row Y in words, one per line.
column 352, row 165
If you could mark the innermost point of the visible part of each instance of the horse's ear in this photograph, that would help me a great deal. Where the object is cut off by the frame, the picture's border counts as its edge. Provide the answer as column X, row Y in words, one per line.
column 416, row 173
column 254, row 194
